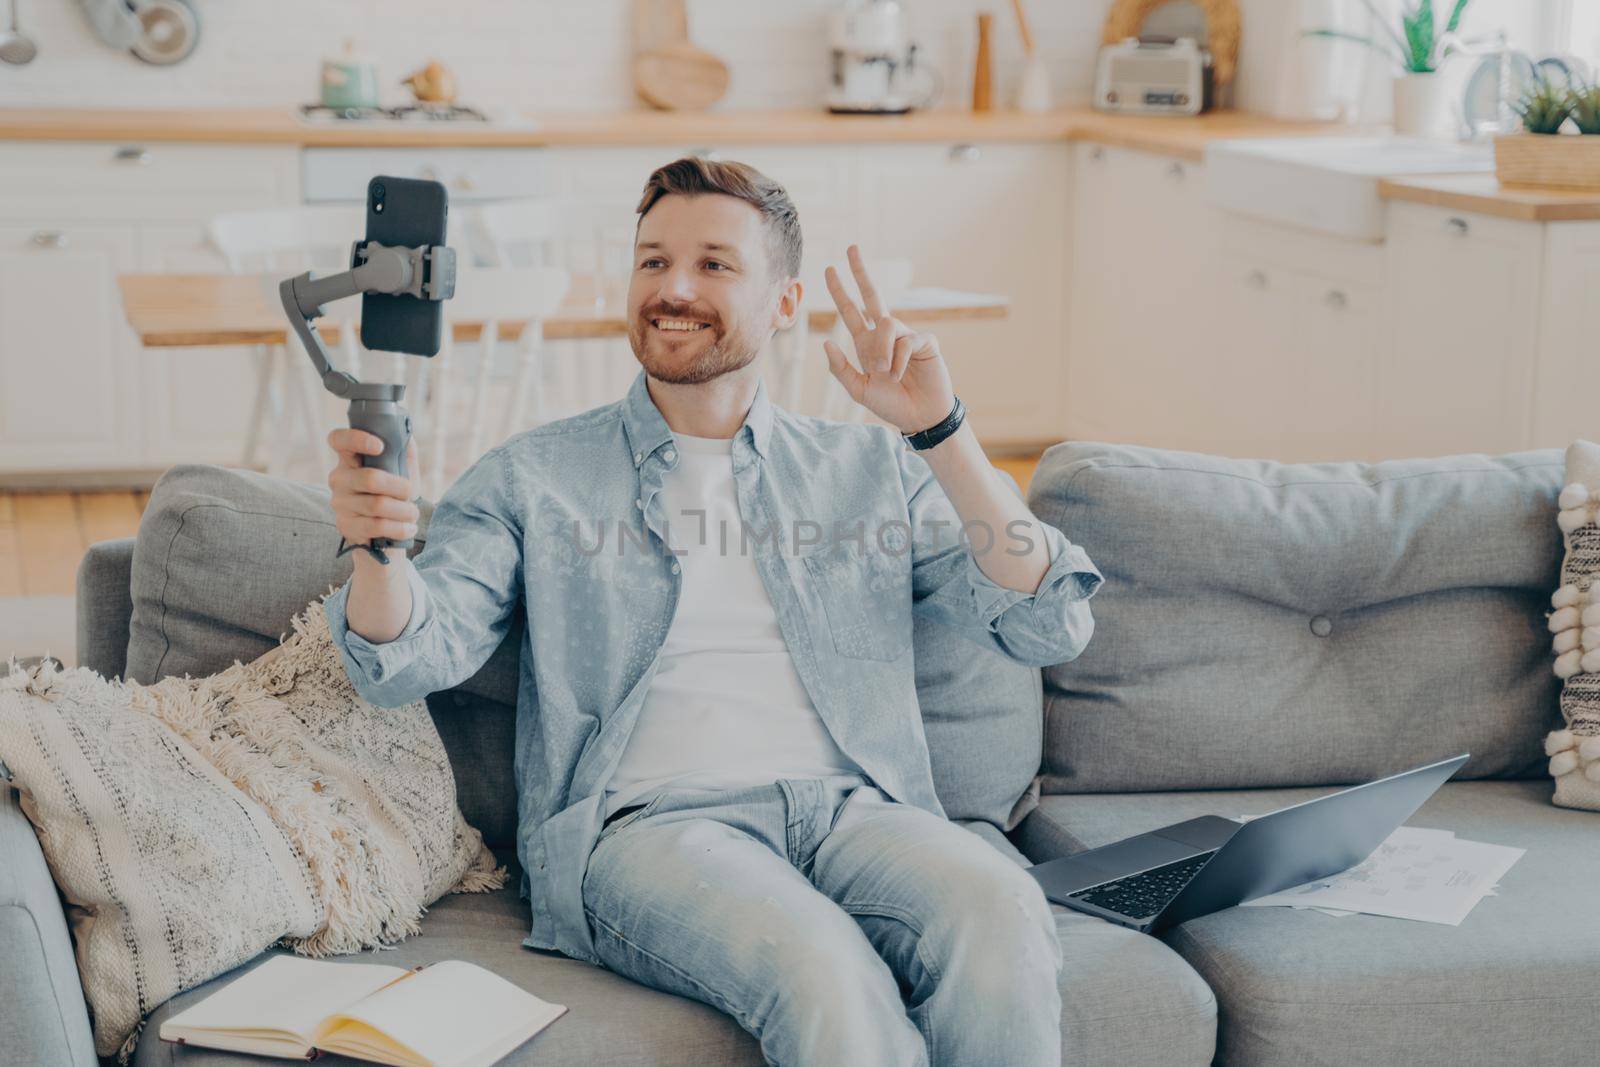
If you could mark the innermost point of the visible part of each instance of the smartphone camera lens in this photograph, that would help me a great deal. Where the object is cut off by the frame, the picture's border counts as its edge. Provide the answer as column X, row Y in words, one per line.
column 377, row 197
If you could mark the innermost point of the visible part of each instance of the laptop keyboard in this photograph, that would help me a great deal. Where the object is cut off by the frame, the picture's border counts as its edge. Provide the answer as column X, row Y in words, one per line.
column 1142, row 895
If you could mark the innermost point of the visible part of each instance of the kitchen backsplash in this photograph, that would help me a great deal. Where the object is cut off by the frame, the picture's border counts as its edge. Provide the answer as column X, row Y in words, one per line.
column 529, row 54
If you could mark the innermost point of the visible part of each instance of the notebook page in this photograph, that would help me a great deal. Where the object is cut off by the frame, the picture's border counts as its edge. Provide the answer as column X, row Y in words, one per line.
column 452, row 1011
column 288, row 993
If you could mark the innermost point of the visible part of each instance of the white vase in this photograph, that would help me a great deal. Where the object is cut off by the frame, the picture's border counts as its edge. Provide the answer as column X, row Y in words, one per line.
column 1033, row 90
column 1420, row 106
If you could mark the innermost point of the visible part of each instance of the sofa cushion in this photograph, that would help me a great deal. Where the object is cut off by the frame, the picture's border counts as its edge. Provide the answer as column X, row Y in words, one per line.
column 224, row 558
column 1126, row 998
column 1516, row 982
column 1270, row 624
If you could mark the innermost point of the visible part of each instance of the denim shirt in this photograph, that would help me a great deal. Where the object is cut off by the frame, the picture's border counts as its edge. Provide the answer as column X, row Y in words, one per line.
column 563, row 522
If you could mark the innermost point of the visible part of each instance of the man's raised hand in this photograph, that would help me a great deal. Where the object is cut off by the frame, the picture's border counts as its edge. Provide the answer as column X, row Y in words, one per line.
column 903, row 378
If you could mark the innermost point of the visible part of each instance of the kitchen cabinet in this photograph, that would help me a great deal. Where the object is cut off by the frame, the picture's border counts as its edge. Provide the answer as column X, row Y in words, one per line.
column 65, row 381
column 1464, row 300
column 987, row 218
column 77, row 391
column 1141, row 237
column 1567, row 372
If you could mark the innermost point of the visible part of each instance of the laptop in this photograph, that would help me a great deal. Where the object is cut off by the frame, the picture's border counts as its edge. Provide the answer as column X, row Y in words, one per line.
column 1156, row 880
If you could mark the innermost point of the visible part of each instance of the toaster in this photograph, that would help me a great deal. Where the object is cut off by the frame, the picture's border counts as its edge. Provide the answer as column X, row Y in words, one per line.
column 1154, row 75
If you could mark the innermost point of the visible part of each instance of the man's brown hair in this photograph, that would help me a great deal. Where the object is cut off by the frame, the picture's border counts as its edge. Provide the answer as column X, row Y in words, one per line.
column 693, row 176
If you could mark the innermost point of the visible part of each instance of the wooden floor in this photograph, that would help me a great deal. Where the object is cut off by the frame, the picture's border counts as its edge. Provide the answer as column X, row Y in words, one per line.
column 43, row 536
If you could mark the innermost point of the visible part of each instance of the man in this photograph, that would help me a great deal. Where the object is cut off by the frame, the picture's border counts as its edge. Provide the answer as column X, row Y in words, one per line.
column 724, row 785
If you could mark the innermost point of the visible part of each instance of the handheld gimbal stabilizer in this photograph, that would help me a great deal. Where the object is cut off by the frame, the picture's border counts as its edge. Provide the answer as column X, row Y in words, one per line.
column 427, row 272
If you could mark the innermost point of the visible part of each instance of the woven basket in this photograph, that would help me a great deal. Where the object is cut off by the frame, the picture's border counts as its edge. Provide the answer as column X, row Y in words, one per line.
column 1561, row 160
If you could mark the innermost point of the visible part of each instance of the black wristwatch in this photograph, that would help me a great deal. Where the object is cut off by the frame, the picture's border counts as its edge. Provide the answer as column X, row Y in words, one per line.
column 923, row 440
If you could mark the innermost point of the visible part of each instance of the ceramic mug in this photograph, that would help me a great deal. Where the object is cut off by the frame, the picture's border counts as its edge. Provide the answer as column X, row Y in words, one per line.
column 349, row 81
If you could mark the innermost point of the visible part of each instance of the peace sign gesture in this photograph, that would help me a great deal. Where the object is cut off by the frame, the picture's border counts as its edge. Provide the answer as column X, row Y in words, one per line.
column 903, row 379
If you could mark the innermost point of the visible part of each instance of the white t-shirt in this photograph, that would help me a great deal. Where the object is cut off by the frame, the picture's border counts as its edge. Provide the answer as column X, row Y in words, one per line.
column 726, row 708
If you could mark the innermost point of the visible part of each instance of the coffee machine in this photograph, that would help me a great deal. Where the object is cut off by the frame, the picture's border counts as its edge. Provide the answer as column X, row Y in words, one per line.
column 875, row 69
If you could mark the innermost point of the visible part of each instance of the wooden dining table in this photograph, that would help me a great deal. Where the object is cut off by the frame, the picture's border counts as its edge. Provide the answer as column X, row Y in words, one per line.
column 206, row 310
column 246, row 311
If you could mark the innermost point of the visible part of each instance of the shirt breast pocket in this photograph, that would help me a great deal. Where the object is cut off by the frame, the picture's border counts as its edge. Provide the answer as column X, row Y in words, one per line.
column 866, row 595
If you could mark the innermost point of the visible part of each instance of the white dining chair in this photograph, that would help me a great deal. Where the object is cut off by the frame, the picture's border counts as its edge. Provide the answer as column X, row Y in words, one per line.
column 287, row 392
column 491, row 295
column 594, row 245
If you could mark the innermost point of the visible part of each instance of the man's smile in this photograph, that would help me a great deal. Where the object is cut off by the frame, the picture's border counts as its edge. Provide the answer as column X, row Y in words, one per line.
column 679, row 325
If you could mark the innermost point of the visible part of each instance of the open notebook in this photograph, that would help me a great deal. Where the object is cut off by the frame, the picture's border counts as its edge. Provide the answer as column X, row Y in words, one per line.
column 451, row 1014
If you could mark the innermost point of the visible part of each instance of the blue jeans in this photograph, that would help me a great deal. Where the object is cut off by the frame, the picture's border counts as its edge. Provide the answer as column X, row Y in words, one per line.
column 834, row 924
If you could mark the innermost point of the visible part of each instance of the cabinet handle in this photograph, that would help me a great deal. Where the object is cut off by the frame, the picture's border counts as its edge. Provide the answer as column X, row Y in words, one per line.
column 50, row 238
column 1177, row 172
column 428, row 174
column 1457, row 225
column 965, row 153
column 1336, row 299
column 706, row 152
column 132, row 154
column 465, row 184
column 1257, row 279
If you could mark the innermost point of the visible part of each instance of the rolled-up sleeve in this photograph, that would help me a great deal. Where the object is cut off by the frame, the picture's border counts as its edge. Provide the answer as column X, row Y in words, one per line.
column 1050, row 625
column 465, row 584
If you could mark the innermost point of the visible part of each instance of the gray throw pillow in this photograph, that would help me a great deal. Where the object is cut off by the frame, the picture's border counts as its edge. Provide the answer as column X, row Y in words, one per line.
column 1272, row 624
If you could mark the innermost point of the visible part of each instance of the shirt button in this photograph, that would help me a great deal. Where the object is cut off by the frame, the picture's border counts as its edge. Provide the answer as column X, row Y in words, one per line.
column 676, row 568
column 639, row 504
column 669, row 455
column 1321, row 625
column 638, row 457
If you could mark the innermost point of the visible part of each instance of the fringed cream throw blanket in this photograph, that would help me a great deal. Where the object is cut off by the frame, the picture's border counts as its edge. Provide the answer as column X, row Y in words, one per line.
column 193, row 823
column 1574, row 751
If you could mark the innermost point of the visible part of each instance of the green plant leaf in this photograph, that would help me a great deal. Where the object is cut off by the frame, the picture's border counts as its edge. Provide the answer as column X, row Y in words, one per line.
column 1455, row 15
column 1418, row 24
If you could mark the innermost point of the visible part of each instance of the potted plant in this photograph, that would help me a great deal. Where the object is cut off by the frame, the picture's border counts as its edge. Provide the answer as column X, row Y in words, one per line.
column 1542, row 154
column 1417, row 47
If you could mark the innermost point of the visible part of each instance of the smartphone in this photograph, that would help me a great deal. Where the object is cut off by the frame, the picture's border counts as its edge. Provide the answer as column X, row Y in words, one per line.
column 404, row 212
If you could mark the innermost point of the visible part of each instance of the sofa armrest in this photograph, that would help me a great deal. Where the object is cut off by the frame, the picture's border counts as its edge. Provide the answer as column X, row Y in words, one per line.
column 105, row 607
column 43, row 1018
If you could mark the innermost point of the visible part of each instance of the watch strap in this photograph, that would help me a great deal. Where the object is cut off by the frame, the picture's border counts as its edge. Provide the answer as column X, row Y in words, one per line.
column 923, row 440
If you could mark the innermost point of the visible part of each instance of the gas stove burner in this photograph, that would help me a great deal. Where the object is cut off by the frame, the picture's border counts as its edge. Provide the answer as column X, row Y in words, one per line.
column 406, row 113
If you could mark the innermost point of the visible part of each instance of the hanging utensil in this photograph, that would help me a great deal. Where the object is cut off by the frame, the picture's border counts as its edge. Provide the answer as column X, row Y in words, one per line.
column 16, row 47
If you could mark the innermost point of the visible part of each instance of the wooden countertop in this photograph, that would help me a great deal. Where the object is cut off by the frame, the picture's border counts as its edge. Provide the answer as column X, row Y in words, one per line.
column 1185, row 138
column 1483, row 194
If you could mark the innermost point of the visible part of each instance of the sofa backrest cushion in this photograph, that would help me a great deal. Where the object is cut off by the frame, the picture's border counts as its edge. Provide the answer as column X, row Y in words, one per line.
column 224, row 558
column 1272, row 624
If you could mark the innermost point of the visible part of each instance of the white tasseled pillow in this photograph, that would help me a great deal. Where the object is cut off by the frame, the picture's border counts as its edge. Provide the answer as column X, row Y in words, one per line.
column 1575, row 750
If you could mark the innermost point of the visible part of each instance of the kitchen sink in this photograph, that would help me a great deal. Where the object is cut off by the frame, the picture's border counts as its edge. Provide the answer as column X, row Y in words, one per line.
column 1328, row 184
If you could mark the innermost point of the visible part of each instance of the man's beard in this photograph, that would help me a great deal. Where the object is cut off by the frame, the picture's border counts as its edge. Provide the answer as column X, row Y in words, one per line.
column 728, row 351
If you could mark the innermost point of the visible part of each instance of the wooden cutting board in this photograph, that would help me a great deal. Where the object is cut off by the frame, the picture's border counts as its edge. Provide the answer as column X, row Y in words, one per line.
column 668, row 71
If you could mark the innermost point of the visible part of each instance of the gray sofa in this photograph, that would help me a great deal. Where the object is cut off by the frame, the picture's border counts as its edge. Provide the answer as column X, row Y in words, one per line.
column 1266, row 633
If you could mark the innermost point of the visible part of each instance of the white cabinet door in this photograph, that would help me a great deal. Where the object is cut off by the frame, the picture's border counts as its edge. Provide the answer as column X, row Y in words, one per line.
column 1142, row 300
column 1567, row 382
column 68, row 395
column 197, row 401
column 989, row 218
column 1464, row 313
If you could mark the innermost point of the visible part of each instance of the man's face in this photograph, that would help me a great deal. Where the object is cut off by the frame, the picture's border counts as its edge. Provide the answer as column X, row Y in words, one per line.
column 703, row 298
